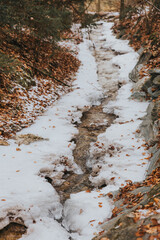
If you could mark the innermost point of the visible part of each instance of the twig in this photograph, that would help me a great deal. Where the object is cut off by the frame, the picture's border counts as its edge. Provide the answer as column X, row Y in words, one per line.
column 152, row 5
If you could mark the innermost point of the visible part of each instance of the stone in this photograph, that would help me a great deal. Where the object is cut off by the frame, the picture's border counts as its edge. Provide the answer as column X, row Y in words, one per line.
column 29, row 138
column 3, row 143
column 140, row 51
column 147, row 85
column 121, row 33
column 134, row 75
column 139, row 96
column 144, row 57
column 154, row 72
column 154, row 161
column 156, row 80
column 154, row 94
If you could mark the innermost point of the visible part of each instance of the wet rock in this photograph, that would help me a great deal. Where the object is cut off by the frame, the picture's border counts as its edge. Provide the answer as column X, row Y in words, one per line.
column 28, row 139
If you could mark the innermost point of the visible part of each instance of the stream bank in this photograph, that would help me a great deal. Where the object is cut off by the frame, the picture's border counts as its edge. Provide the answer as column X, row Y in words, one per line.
column 102, row 143
column 137, row 204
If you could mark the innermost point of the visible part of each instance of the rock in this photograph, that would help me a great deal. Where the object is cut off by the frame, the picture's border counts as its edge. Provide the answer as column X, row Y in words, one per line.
column 154, row 161
column 134, row 75
column 149, row 127
column 4, row 143
column 147, row 85
column 140, row 51
column 139, row 96
column 154, row 72
column 144, row 58
column 137, row 87
column 156, row 80
column 124, row 226
column 121, row 33
column 28, row 138
column 153, row 94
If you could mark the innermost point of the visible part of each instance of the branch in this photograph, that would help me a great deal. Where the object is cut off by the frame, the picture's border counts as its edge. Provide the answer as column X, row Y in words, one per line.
column 153, row 5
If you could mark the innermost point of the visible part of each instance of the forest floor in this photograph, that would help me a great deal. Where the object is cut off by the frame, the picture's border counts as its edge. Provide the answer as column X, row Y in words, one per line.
column 57, row 174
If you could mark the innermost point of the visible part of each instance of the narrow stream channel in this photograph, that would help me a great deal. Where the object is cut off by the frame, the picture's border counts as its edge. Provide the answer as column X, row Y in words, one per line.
column 94, row 121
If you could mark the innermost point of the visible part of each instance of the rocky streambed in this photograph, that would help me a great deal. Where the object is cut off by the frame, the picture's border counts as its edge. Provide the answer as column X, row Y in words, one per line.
column 95, row 121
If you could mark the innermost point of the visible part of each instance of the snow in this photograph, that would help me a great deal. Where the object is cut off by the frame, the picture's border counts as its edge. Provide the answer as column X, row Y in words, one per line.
column 125, row 156
column 83, row 212
column 25, row 193
column 126, row 161
column 46, row 229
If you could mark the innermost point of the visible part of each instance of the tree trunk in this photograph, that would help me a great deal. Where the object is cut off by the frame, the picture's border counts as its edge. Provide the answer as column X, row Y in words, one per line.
column 122, row 13
column 99, row 6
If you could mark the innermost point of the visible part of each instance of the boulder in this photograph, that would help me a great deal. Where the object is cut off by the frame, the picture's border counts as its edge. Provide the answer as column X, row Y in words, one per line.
column 156, row 81
column 143, row 59
column 154, row 72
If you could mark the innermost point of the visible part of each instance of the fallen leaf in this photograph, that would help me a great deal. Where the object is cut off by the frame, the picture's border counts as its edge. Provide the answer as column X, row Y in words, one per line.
column 81, row 211
column 18, row 149
column 92, row 221
column 88, row 191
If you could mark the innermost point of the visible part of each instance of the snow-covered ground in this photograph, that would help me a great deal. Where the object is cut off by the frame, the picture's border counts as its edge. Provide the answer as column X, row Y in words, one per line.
column 25, row 193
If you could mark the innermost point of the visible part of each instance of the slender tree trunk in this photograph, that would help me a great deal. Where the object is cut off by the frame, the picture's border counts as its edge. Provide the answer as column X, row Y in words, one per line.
column 122, row 13
column 99, row 6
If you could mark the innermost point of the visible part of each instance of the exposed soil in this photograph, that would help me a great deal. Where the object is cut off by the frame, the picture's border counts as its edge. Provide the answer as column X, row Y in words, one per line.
column 93, row 122
column 12, row 232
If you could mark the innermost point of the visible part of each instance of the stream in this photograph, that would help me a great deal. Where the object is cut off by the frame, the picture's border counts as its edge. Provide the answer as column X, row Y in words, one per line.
column 94, row 121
